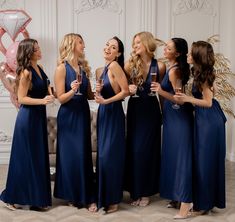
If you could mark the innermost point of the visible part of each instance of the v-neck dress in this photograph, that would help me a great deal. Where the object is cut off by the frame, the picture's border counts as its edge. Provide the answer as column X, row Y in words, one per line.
column 177, row 148
column 28, row 180
column 74, row 180
column 111, row 147
column 143, row 152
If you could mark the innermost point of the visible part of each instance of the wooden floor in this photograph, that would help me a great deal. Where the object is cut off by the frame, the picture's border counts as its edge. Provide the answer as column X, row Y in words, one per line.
column 155, row 212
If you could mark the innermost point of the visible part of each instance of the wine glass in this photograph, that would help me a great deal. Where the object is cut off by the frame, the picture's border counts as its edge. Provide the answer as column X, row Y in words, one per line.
column 134, row 81
column 177, row 89
column 100, row 81
column 153, row 75
column 79, row 80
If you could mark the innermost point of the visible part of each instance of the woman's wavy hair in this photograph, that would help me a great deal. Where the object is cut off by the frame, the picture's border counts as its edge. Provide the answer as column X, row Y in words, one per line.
column 203, row 64
column 135, row 61
column 120, row 59
column 24, row 54
column 181, row 47
column 66, row 51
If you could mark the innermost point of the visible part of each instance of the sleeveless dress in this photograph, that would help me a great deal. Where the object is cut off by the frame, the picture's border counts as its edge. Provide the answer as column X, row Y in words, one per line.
column 209, row 156
column 142, row 167
column 177, row 148
column 111, row 147
column 28, row 180
column 74, row 171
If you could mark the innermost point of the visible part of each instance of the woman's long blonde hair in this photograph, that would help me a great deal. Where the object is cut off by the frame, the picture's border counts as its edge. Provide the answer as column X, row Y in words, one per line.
column 135, row 60
column 66, row 51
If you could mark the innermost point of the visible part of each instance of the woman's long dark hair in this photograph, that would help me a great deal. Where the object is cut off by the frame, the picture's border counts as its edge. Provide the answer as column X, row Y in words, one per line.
column 181, row 47
column 203, row 64
column 24, row 54
column 120, row 58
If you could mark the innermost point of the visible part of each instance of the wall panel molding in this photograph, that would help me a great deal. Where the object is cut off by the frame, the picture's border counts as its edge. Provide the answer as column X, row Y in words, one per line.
column 148, row 17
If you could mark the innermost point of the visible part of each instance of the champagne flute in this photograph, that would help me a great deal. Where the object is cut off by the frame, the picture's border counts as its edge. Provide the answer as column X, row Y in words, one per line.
column 134, row 81
column 79, row 80
column 100, row 81
column 177, row 89
column 153, row 75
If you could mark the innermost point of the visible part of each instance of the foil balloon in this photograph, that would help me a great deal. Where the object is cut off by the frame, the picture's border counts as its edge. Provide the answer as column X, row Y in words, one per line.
column 12, row 22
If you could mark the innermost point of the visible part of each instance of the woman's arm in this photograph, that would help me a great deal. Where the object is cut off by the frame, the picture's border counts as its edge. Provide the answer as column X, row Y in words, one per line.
column 206, row 101
column 24, row 84
column 59, row 78
column 119, row 77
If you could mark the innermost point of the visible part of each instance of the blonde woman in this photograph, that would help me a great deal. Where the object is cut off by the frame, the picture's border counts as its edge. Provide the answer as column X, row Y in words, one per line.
column 143, row 121
column 74, row 172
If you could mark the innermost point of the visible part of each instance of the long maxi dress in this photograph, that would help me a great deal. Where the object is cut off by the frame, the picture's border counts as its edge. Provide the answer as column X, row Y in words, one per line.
column 111, row 147
column 177, row 148
column 144, row 119
column 74, row 180
column 209, row 156
column 28, row 180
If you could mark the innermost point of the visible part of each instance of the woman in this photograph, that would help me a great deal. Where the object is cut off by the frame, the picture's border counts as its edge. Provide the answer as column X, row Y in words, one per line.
column 111, row 126
column 143, row 121
column 209, row 132
column 28, row 181
column 176, row 165
column 74, row 180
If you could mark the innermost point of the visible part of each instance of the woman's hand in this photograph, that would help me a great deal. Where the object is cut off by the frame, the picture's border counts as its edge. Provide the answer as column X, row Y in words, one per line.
column 156, row 87
column 74, row 85
column 98, row 87
column 132, row 89
column 181, row 98
column 48, row 99
column 99, row 99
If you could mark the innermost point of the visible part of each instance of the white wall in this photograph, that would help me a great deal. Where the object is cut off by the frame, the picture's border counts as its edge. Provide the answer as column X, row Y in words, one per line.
column 99, row 20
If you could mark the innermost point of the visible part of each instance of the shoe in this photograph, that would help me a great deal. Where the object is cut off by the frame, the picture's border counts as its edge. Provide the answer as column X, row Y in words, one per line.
column 10, row 207
column 92, row 207
column 184, row 211
column 144, row 201
column 199, row 213
column 111, row 209
column 180, row 217
column 135, row 203
column 41, row 209
column 173, row 204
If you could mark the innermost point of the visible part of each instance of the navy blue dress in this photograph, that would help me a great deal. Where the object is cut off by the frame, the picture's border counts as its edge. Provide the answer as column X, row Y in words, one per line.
column 209, row 156
column 177, row 148
column 142, row 167
column 111, row 147
column 28, row 180
column 74, row 171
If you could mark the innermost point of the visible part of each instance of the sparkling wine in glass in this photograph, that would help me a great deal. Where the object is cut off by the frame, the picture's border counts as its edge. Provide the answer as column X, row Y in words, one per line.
column 134, row 80
column 100, row 81
column 177, row 89
column 153, row 75
column 79, row 80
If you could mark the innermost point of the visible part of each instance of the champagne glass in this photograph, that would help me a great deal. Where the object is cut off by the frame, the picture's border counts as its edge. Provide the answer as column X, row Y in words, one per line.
column 100, row 81
column 177, row 89
column 153, row 75
column 79, row 80
column 134, row 81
